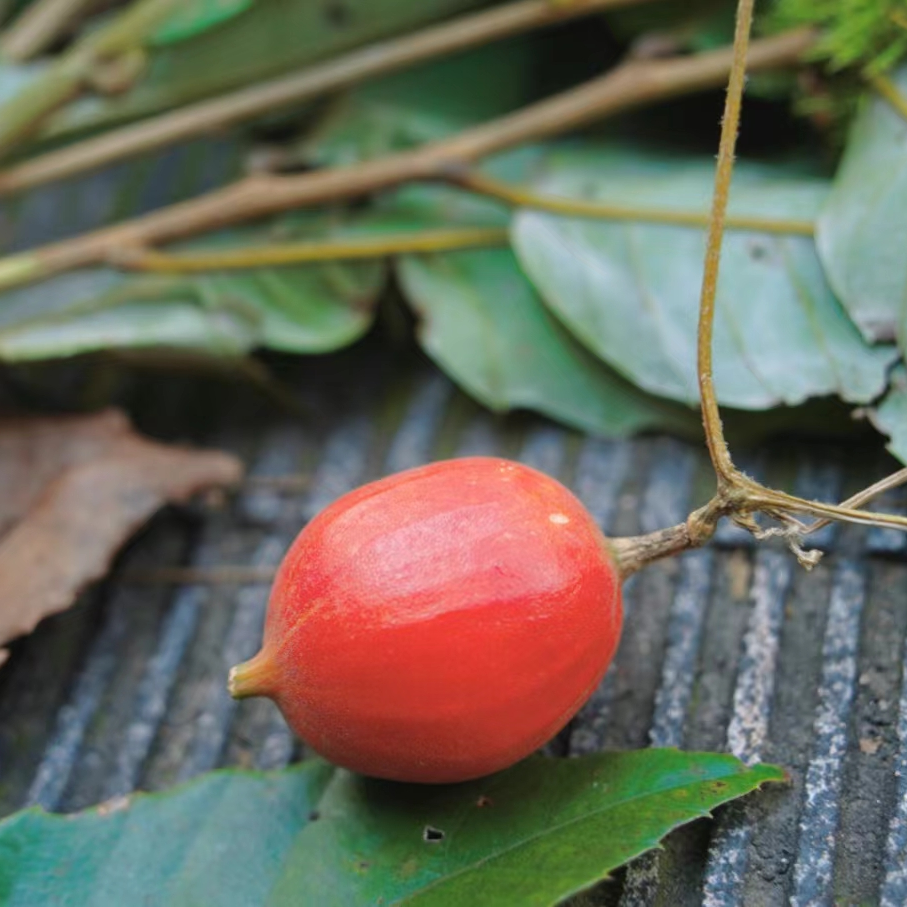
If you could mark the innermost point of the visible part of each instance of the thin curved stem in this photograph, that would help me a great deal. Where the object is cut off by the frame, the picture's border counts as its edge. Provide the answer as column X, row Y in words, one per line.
column 718, row 449
column 302, row 252
column 522, row 197
column 439, row 240
column 737, row 495
column 767, row 499
column 864, row 497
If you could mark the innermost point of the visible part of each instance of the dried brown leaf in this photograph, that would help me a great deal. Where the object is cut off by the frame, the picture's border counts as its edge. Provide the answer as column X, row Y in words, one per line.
column 72, row 490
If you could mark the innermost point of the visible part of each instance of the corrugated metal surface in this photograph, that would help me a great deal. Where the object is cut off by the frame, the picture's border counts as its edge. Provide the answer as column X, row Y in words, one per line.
column 732, row 647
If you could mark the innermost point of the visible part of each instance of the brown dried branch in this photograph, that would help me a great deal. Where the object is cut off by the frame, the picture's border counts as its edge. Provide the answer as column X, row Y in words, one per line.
column 631, row 84
column 212, row 115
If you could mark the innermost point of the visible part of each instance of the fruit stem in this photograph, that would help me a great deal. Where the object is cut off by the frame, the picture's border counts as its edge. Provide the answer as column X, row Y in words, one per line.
column 251, row 678
column 734, row 489
column 635, row 552
column 737, row 495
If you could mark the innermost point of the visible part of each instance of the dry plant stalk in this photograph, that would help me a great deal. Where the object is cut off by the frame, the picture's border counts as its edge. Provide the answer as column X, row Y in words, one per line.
column 39, row 25
column 209, row 116
column 631, row 84
column 737, row 495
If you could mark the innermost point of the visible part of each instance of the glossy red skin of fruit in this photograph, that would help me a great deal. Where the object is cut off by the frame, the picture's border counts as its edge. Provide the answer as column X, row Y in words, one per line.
column 442, row 623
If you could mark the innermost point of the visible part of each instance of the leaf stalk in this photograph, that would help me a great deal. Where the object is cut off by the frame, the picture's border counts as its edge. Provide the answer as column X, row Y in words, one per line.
column 524, row 197
column 349, row 249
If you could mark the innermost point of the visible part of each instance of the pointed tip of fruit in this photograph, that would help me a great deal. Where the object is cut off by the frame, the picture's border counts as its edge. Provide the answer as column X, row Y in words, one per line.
column 250, row 678
column 233, row 683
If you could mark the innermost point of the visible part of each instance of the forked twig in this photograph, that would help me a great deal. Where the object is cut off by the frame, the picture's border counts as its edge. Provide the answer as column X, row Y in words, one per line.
column 737, row 495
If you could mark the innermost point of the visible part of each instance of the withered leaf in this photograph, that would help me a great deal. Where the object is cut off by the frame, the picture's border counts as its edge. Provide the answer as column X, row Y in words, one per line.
column 72, row 490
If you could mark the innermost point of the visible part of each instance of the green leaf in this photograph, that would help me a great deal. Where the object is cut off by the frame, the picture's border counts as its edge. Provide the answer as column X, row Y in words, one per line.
column 220, row 840
column 866, row 34
column 483, row 323
column 113, row 313
column 531, row 835
column 195, row 17
column 272, row 37
column 630, row 290
column 862, row 225
column 313, row 308
column 890, row 416
column 424, row 104
column 299, row 308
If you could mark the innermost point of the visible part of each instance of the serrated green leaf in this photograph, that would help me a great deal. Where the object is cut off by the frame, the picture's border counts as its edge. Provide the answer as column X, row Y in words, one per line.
column 630, row 290
column 195, row 17
column 861, row 228
column 424, row 104
column 270, row 38
column 531, row 835
column 483, row 323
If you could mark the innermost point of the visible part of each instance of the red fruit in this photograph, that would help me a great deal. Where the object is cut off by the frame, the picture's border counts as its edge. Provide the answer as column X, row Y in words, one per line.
column 439, row 624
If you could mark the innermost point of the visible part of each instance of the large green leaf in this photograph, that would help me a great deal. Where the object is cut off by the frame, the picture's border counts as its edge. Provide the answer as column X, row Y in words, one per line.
column 863, row 224
column 483, row 323
column 300, row 308
column 531, row 835
column 270, row 38
column 424, row 104
column 97, row 309
column 220, row 840
column 630, row 290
